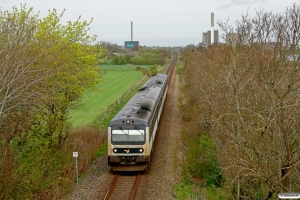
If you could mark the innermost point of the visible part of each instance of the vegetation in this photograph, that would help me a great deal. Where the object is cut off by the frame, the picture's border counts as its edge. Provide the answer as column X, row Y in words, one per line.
column 45, row 67
column 152, row 57
column 241, row 107
column 121, row 60
column 94, row 103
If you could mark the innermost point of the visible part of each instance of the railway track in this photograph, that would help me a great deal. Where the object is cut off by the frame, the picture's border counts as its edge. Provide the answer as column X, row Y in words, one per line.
column 123, row 187
column 171, row 66
column 104, row 185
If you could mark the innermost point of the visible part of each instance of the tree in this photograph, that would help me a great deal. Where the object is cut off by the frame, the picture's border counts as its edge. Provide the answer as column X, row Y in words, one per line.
column 19, row 75
column 73, row 62
column 162, row 57
column 247, row 94
column 45, row 67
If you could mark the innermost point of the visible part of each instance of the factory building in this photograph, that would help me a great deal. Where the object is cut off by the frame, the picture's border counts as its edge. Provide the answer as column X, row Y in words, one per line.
column 212, row 36
column 206, row 38
column 131, row 44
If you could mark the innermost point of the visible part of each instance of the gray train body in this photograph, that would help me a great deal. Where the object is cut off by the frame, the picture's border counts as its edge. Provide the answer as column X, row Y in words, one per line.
column 131, row 133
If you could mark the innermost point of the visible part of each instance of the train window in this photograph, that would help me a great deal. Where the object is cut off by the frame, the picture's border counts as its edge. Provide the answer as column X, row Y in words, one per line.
column 123, row 135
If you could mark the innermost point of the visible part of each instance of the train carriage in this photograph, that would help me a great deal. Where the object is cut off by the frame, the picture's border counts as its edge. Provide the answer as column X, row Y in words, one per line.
column 131, row 133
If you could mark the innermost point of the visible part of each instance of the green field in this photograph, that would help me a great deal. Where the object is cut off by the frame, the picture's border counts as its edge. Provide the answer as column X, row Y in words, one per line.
column 122, row 67
column 114, row 84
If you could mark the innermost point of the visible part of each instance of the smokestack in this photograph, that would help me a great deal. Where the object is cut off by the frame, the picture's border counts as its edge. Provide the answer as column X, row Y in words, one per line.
column 212, row 29
column 131, row 31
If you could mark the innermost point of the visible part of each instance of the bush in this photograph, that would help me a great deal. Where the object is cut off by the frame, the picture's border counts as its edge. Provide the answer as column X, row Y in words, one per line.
column 205, row 165
column 153, row 70
column 41, row 171
column 146, row 59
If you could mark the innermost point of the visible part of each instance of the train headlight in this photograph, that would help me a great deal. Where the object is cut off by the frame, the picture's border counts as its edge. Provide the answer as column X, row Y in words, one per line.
column 128, row 121
column 115, row 150
column 141, row 150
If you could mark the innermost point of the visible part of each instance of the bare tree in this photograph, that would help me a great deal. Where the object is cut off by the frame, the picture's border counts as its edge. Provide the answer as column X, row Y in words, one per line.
column 18, row 74
column 247, row 92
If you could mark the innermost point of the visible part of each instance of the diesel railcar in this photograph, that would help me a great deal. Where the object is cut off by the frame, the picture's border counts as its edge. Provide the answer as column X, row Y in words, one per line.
column 131, row 133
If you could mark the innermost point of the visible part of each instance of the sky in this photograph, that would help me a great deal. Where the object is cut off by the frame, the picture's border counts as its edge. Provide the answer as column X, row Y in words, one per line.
column 155, row 22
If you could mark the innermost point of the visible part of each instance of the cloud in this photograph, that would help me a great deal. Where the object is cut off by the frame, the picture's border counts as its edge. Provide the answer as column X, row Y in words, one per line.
column 239, row 2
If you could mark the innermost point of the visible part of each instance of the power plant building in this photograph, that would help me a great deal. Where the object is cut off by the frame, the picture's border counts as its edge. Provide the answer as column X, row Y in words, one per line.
column 212, row 36
column 131, row 44
column 206, row 38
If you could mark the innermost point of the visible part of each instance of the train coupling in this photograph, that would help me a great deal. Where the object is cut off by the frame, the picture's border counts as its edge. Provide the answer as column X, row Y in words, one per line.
column 127, row 160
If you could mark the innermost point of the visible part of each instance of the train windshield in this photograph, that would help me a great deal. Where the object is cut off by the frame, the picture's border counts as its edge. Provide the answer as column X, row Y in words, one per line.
column 123, row 135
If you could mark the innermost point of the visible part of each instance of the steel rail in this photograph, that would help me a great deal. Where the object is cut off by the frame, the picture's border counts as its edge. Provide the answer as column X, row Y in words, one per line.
column 111, row 187
column 171, row 66
column 136, row 185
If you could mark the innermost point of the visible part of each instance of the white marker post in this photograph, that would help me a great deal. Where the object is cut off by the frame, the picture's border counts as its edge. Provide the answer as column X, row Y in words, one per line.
column 75, row 155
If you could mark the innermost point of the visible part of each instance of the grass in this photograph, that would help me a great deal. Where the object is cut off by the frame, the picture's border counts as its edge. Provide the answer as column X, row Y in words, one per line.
column 179, row 69
column 114, row 84
column 102, row 150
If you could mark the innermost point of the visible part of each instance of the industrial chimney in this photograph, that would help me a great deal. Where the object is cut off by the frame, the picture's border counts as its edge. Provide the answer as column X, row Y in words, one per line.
column 212, row 29
column 131, row 44
column 131, row 32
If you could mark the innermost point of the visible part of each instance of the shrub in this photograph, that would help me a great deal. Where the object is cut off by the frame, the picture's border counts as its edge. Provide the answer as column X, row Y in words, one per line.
column 206, row 163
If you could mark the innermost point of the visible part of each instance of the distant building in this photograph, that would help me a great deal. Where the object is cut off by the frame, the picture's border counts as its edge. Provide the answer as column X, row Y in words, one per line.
column 206, row 38
column 131, row 44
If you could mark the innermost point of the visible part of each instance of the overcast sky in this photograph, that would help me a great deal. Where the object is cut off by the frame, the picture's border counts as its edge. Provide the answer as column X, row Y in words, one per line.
column 155, row 22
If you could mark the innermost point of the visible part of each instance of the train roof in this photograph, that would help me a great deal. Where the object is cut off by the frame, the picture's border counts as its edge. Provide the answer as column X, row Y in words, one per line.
column 139, row 108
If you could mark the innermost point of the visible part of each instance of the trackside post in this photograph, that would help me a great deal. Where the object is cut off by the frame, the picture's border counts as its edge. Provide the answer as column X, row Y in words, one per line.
column 75, row 155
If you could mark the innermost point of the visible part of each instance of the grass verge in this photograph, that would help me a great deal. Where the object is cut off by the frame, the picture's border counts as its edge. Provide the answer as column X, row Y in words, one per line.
column 94, row 103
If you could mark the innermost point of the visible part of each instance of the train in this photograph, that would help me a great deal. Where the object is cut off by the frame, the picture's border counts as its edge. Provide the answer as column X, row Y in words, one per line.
column 131, row 133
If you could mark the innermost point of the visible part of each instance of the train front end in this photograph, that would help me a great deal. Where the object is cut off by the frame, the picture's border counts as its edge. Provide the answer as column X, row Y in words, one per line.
column 128, row 148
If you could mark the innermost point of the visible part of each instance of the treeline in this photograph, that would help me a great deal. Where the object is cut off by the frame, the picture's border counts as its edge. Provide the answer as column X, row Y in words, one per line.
column 241, row 108
column 44, row 67
column 144, row 58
